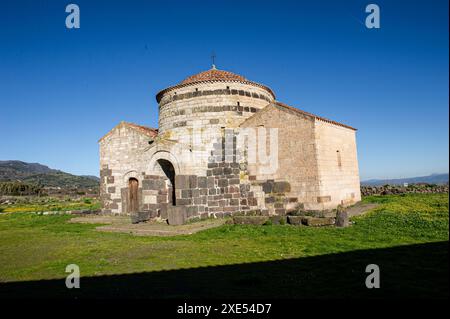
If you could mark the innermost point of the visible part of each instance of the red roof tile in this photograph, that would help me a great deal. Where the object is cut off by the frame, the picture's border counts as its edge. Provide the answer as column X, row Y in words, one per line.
column 211, row 76
column 312, row 115
column 295, row 110
column 214, row 75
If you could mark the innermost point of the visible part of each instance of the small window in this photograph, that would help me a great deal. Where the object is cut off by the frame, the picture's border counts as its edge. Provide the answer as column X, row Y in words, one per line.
column 228, row 87
column 196, row 89
column 238, row 103
column 338, row 153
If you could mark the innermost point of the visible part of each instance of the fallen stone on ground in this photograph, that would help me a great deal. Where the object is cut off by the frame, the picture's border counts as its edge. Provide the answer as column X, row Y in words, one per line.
column 360, row 208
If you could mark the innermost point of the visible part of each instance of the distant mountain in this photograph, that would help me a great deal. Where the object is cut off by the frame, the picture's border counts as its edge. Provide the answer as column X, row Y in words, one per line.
column 16, row 170
column 36, row 173
column 430, row 179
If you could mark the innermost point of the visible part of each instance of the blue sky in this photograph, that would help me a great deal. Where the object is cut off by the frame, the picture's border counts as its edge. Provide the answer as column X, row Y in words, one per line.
column 61, row 89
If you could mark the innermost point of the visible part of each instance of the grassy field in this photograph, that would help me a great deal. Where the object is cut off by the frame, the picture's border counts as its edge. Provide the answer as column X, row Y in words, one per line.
column 45, row 204
column 36, row 247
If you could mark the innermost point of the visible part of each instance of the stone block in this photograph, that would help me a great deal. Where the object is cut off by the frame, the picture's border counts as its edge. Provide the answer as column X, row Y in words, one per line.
column 278, row 220
column 295, row 220
column 176, row 215
column 281, row 187
column 202, row 182
column 323, row 199
column 223, row 182
column 193, row 181
column 161, row 198
column 134, row 218
column 192, row 211
column 182, row 181
column 267, row 187
column 204, row 215
column 184, row 201
column 234, row 202
column 163, row 211
column 250, row 220
column 186, row 193
column 212, row 203
column 210, row 182
column 342, row 219
column 317, row 221
column 153, row 184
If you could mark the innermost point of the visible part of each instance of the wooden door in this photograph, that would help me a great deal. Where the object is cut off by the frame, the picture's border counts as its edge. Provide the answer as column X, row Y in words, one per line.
column 133, row 205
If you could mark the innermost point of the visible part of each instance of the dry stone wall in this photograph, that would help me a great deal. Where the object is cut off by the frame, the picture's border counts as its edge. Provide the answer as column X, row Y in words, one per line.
column 397, row 189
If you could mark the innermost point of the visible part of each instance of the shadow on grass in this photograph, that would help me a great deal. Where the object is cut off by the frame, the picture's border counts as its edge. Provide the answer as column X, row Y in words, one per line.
column 406, row 271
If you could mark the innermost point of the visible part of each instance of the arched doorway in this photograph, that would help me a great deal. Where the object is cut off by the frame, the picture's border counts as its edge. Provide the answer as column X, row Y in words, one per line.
column 169, row 171
column 133, row 203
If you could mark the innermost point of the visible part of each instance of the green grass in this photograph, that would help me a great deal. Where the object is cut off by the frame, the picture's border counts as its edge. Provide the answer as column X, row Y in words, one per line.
column 44, row 204
column 39, row 247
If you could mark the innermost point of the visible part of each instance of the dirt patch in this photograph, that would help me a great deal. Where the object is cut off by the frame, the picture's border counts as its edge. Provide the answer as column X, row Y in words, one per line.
column 122, row 224
column 360, row 209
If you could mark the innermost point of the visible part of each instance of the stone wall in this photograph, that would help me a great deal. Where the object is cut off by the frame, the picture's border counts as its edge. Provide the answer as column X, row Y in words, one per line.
column 337, row 165
column 410, row 189
column 121, row 157
column 218, row 104
column 296, row 153
column 307, row 158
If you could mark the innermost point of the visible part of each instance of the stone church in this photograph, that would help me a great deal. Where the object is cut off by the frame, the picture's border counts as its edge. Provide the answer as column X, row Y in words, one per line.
column 225, row 145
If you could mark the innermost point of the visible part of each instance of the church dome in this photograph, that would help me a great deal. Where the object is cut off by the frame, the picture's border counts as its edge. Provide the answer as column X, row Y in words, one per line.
column 214, row 75
column 211, row 76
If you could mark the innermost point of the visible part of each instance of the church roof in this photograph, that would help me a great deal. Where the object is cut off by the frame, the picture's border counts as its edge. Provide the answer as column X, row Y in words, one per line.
column 210, row 76
column 317, row 117
column 297, row 111
column 151, row 132
column 214, row 75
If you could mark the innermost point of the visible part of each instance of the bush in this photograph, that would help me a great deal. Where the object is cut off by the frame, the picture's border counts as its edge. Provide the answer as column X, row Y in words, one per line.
column 19, row 189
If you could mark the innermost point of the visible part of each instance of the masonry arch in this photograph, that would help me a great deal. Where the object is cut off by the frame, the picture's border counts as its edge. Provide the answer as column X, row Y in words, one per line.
column 131, row 174
column 164, row 155
column 165, row 164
